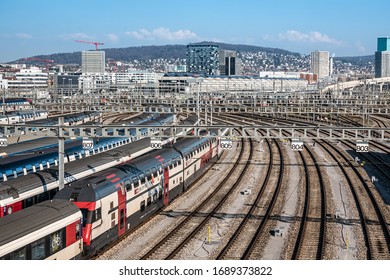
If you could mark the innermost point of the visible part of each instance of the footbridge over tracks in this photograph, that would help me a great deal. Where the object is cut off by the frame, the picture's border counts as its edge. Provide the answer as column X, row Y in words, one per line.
column 268, row 131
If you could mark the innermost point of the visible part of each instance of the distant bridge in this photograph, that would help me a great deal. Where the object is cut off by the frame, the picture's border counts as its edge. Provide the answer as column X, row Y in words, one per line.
column 352, row 84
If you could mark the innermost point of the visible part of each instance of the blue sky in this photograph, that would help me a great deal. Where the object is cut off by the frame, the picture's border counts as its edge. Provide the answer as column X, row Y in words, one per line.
column 346, row 28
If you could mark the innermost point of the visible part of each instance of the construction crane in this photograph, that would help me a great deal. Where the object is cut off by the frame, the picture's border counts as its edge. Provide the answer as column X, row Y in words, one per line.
column 92, row 43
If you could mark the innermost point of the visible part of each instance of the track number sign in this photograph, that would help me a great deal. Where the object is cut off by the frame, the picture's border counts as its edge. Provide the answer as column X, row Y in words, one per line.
column 226, row 144
column 87, row 144
column 3, row 142
column 155, row 143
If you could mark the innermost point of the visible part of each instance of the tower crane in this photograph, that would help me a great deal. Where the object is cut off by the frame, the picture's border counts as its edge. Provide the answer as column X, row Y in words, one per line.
column 92, row 43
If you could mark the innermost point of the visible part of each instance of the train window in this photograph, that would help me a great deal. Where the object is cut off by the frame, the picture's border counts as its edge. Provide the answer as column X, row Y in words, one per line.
column 113, row 216
column 135, row 181
column 122, row 219
column 181, row 179
column 160, row 194
column 19, row 254
column 56, row 241
column 154, row 198
column 78, row 231
column 142, row 205
column 84, row 212
column 28, row 202
column 42, row 197
column 142, row 180
column 97, row 215
column 111, row 204
column 148, row 175
column 154, row 171
column 38, row 249
column 128, row 185
column 179, row 162
column 149, row 201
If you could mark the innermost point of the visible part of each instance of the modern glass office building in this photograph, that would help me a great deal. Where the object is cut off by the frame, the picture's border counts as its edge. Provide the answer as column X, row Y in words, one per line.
column 382, row 58
column 203, row 59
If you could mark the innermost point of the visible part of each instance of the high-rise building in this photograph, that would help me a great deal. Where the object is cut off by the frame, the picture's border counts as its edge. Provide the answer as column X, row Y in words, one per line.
column 229, row 63
column 93, row 62
column 320, row 63
column 382, row 58
column 203, row 59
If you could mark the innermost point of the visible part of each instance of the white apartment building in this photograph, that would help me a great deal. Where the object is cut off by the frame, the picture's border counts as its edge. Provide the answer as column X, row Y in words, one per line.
column 93, row 62
column 320, row 63
column 29, row 79
column 3, row 83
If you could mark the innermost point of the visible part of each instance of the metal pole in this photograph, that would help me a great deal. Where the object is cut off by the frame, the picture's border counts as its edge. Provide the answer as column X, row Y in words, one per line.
column 211, row 115
column 61, row 151
column 197, row 103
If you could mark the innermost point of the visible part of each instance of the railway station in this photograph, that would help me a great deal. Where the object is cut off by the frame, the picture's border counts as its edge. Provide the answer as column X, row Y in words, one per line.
column 301, row 175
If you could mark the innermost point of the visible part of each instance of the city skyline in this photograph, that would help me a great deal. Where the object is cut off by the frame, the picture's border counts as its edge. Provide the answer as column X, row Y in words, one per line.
column 41, row 27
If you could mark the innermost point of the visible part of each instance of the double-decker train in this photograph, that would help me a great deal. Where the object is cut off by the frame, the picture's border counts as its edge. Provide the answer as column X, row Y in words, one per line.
column 35, row 178
column 118, row 199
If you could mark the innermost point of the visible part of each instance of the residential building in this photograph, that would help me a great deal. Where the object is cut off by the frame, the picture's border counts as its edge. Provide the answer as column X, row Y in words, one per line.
column 320, row 63
column 29, row 79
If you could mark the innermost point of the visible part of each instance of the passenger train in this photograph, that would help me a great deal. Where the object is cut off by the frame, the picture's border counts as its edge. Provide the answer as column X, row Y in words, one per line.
column 22, row 117
column 118, row 199
column 18, row 191
column 15, row 104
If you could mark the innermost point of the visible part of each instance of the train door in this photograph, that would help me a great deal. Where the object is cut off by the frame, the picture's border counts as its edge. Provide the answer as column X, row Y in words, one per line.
column 121, row 210
column 166, row 186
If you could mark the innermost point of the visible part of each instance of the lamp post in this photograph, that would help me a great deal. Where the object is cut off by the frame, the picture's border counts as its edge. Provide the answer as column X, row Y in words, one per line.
column 71, row 93
column 62, row 96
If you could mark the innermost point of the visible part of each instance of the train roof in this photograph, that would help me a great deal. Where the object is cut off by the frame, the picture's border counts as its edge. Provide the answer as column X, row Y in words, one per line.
column 190, row 144
column 39, row 180
column 101, row 185
column 34, row 218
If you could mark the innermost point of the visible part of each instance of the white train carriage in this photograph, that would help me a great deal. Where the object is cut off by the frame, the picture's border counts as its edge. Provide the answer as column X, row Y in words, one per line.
column 121, row 197
column 49, row 230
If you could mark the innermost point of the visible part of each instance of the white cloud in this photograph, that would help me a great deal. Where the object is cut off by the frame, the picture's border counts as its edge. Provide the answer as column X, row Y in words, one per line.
column 297, row 36
column 113, row 37
column 163, row 33
column 23, row 35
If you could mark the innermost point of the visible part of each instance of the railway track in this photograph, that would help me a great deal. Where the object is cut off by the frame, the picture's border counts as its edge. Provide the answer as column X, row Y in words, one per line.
column 373, row 220
column 311, row 236
column 172, row 243
column 241, row 239
column 372, row 217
